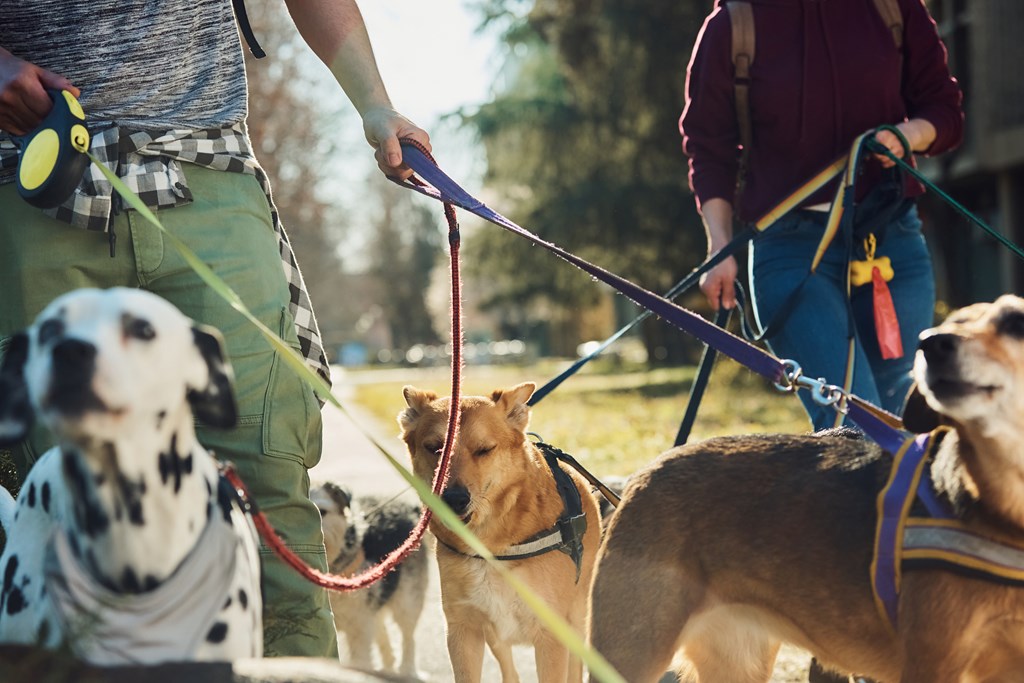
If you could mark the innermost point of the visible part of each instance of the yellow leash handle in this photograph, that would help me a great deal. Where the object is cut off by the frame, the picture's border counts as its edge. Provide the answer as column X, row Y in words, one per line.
column 53, row 156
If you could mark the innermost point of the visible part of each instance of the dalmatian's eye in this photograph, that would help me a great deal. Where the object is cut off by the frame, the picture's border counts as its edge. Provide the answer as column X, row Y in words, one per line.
column 50, row 329
column 138, row 328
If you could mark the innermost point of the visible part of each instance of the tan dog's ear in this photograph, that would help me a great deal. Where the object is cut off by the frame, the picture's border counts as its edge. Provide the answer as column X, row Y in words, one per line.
column 918, row 416
column 418, row 401
column 513, row 403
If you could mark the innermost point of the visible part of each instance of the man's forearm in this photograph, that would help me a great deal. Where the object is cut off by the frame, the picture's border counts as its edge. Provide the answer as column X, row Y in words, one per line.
column 335, row 31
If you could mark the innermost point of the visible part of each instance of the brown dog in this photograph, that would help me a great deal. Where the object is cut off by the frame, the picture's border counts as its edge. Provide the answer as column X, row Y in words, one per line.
column 726, row 548
column 505, row 492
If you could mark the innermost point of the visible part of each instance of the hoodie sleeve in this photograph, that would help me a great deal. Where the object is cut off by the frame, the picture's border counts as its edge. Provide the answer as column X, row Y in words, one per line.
column 929, row 91
column 708, row 123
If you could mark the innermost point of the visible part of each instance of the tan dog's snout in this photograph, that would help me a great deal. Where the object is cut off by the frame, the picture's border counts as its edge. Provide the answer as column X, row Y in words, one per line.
column 457, row 498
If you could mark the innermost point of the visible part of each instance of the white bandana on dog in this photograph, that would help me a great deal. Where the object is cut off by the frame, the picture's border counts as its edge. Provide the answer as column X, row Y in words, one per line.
column 108, row 628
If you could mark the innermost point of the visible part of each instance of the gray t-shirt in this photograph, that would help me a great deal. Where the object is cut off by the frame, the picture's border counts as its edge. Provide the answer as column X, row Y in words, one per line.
column 145, row 64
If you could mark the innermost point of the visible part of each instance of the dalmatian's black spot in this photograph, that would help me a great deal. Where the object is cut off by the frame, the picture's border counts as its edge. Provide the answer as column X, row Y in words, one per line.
column 225, row 494
column 45, row 496
column 32, row 495
column 87, row 510
column 243, row 598
column 129, row 581
column 227, row 603
column 173, row 465
column 150, row 583
column 16, row 601
column 9, row 571
column 132, row 493
column 160, row 417
column 218, row 632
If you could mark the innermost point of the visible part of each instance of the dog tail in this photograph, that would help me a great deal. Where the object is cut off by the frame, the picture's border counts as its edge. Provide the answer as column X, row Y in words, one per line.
column 7, row 507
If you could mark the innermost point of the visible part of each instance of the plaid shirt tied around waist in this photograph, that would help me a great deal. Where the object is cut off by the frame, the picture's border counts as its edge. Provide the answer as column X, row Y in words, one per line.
column 150, row 165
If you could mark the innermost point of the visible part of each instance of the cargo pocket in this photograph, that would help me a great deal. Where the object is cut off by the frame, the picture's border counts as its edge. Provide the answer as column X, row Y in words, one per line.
column 291, row 413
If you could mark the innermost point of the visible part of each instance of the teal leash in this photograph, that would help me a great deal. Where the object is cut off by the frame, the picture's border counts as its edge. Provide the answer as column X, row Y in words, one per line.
column 882, row 149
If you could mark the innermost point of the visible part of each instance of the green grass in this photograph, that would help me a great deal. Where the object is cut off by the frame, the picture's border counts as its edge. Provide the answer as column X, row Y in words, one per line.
column 613, row 419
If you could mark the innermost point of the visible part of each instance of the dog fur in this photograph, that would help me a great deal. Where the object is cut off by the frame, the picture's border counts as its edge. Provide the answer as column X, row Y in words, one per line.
column 359, row 533
column 726, row 548
column 117, row 376
column 503, row 490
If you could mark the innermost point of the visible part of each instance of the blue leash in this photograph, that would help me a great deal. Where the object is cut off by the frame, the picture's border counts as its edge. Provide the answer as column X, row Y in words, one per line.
column 785, row 374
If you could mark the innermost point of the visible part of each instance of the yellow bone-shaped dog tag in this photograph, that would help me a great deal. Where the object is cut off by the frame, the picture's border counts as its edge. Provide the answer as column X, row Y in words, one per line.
column 860, row 271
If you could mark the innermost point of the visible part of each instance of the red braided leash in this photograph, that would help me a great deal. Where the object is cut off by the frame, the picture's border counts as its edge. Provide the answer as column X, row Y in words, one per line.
column 373, row 574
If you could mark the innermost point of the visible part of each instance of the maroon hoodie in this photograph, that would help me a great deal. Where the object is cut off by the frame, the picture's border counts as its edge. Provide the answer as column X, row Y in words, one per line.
column 824, row 71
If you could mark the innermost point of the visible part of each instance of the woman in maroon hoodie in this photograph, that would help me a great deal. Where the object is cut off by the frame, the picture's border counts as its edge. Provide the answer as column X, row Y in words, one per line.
column 824, row 72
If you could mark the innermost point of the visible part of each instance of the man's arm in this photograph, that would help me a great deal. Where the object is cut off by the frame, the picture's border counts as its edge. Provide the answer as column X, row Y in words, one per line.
column 335, row 31
column 23, row 98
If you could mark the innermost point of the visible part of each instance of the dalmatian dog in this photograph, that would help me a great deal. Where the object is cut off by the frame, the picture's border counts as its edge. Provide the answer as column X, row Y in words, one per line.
column 124, row 542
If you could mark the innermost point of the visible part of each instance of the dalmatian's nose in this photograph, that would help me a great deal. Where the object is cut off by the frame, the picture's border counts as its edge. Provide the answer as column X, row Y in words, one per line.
column 73, row 360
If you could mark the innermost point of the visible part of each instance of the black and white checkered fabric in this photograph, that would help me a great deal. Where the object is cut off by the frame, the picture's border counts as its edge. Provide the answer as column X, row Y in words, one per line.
column 150, row 165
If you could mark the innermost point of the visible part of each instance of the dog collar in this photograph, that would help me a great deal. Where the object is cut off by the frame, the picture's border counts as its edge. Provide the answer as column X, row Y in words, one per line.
column 566, row 535
column 938, row 540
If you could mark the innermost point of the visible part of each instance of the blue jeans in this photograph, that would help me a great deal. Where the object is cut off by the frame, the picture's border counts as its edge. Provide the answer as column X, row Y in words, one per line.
column 815, row 333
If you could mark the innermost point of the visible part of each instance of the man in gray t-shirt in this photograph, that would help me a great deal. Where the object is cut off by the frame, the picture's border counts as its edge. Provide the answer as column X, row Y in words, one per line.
column 163, row 82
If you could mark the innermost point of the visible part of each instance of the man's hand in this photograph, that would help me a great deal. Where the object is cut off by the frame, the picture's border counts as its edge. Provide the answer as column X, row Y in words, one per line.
column 920, row 135
column 383, row 128
column 23, row 98
column 719, row 284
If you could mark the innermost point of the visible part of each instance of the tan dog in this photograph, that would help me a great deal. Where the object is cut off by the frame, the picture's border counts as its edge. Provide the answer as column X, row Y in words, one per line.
column 505, row 492
column 725, row 548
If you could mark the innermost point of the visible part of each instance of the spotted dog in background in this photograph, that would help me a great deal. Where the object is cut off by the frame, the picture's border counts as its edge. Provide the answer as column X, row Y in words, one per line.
column 124, row 541
column 358, row 533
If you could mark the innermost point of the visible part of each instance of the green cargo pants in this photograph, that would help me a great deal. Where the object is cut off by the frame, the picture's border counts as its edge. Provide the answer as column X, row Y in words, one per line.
column 278, row 437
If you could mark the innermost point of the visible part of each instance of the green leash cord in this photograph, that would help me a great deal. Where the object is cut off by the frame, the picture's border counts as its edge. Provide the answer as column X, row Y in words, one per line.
column 878, row 148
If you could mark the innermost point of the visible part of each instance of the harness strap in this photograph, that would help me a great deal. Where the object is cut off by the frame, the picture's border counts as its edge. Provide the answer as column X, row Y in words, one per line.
column 567, row 533
column 242, row 17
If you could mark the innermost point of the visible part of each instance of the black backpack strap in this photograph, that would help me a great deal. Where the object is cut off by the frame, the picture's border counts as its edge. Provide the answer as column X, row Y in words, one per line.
column 243, row 25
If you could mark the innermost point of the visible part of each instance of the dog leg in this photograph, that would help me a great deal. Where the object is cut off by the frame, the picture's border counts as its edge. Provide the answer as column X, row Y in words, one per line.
column 731, row 653
column 503, row 653
column 552, row 660
column 638, row 637
column 407, row 627
column 466, row 651
column 359, row 635
column 387, row 655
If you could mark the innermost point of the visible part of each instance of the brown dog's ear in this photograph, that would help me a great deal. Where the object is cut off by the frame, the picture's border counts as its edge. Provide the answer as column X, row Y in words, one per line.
column 418, row 401
column 513, row 403
column 918, row 416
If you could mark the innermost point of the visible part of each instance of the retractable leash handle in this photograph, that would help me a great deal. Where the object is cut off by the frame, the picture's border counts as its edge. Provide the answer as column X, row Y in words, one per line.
column 54, row 155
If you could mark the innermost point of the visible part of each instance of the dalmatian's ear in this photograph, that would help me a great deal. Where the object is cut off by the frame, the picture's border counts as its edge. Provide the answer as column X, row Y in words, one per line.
column 16, row 414
column 214, row 403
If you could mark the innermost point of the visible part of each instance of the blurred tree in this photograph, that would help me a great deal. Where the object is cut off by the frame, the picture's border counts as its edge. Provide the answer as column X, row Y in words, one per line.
column 407, row 243
column 583, row 146
column 290, row 135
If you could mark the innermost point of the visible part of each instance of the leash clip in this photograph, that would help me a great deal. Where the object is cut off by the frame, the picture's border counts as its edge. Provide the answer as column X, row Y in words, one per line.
column 823, row 393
